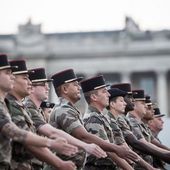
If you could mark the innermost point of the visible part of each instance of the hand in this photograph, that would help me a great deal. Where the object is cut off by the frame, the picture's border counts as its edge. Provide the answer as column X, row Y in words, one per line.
column 62, row 147
column 127, row 153
column 130, row 162
column 95, row 150
column 67, row 165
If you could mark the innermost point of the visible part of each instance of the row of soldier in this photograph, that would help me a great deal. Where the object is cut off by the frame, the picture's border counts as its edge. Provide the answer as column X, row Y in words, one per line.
column 103, row 139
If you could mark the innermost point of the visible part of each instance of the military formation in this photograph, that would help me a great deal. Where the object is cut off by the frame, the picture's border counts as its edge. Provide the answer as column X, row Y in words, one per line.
column 119, row 130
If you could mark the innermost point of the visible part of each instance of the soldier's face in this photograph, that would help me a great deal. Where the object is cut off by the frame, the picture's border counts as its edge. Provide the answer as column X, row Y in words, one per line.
column 22, row 85
column 140, row 108
column 40, row 91
column 119, row 105
column 102, row 97
column 6, row 80
column 72, row 91
column 156, row 124
column 130, row 103
column 149, row 112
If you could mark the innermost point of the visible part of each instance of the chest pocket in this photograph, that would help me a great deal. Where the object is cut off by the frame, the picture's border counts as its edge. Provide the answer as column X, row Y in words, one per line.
column 114, row 125
column 105, row 124
column 145, row 133
column 77, row 115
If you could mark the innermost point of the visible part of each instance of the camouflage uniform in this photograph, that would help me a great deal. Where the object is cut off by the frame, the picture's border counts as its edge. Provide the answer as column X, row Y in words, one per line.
column 38, row 119
column 21, row 157
column 98, row 124
column 5, row 142
column 124, row 125
column 117, row 133
column 157, row 163
column 140, row 131
column 66, row 117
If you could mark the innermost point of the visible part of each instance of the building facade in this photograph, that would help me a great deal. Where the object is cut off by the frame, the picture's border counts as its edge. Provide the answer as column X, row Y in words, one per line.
column 127, row 55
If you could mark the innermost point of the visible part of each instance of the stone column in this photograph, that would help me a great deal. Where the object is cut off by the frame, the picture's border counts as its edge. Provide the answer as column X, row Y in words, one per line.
column 125, row 77
column 162, row 92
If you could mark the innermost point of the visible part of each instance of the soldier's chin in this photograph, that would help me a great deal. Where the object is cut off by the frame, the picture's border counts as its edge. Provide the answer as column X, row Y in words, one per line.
column 78, row 97
column 123, row 110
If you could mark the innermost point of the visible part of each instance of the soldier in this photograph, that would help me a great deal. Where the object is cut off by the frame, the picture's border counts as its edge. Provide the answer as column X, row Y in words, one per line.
column 156, row 125
column 39, row 93
column 117, row 107
column 138, row 127
column 8, row 130
column 126, row 87
column 124, row 125
column 21, row 157
column 97, row 123
column 65, row 115
column 149, row 116
column 113, row 113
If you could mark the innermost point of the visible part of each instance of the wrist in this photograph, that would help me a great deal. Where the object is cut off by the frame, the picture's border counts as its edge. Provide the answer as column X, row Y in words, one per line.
column 59, row 163
column 49, row 143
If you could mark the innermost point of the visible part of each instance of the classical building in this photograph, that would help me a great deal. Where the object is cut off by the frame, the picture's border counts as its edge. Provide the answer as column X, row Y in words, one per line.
column 127, row 55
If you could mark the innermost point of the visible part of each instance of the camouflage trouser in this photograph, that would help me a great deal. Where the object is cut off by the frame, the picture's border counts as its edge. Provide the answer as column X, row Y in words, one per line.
column 4, row 167
column 101, row 167
column 36, row 167
column 49, row 167
column 20, row 165
column 36, row 164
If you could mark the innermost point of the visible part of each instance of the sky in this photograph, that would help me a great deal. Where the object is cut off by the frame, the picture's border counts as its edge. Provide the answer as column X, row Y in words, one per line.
column 83, row 15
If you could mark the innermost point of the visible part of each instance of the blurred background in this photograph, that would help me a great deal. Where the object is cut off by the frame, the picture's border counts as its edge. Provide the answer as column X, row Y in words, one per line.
column 125, row 40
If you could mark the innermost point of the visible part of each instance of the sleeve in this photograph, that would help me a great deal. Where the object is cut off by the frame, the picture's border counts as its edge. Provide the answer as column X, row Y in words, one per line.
column 152, row 137
column 3, row 119
column 18, row 118
column 124, row 126
column 67, row 120
column 95, row 126
column 37, row 118
column 136, row 129
column 118, row 136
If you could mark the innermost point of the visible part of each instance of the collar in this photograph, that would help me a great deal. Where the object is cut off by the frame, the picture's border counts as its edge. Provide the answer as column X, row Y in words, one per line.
column 29, row 103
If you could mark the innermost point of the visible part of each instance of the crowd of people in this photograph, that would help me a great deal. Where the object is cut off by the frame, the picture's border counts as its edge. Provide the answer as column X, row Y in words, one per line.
column 119, row 130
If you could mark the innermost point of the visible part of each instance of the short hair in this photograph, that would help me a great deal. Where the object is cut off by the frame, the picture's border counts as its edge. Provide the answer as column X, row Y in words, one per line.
column 112, row 100
column 58, row 89
column 88, row 94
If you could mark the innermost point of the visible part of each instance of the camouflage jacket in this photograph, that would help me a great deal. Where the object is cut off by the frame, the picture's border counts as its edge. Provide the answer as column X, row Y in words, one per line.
column 149, row 131
column 38, row 119
column 117, row 133
column 20, row 116
column 98, row 124
column 36, row 114
column 158, row 163
column 5, row 142
column 66, row 117
column 124, row 125
column 139, row 130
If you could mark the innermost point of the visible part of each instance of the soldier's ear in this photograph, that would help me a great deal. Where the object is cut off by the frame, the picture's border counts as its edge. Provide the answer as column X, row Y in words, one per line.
column 64, row 89
column 93, row 97
column 111, row 104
